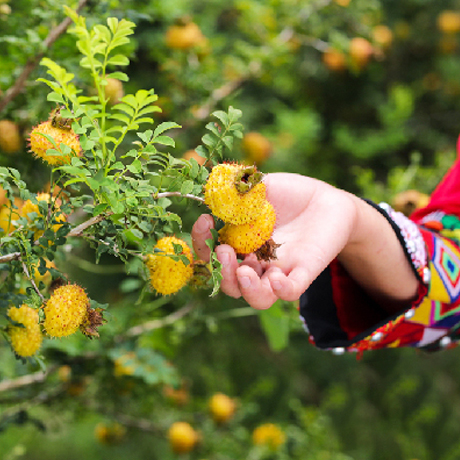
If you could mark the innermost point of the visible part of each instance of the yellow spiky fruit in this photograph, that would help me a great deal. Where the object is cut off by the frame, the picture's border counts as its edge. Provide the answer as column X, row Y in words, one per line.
column 222, row 407
column 39, row 144
column 167, row 276
column 10, row 137
column 270, row 435
column 25, row 340
column 182, row 437
column 65, row 310
column 224, row 199
column 247, row 238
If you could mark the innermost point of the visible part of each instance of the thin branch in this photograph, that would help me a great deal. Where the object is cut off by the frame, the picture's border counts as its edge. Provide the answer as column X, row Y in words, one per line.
column 159, row 323
column 32, row 62
column 187, row 195
column 23, row 381
column 26, row 271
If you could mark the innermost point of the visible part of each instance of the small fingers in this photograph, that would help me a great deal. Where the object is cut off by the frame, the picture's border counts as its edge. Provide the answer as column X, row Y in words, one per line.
column 227, row 257
column 290, row 287
column 201, row 231
column 256, row 290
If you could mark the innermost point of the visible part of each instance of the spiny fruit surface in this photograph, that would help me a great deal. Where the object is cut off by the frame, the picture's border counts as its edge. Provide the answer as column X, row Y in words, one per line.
column 224, row 199
column 65, row 310
column 10, row 137
column 222, row 407
column 25, row 340
column 182, row 437
column 40, row 144
column 247, row 238
column 167, row 275
column 269, row 435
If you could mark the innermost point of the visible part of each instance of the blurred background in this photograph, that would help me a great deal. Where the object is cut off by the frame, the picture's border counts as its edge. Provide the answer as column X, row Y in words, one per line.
column 364, row 94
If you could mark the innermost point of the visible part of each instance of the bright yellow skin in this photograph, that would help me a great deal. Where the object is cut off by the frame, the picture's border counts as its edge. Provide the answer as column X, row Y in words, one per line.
column 10, row 137
column 65, row 310
column 247, row 238
column 269, row 435
column 40, row 144
column 222, row 407
column 167, row 276
column 182, row 437
column 224, row 200
column 25, row 340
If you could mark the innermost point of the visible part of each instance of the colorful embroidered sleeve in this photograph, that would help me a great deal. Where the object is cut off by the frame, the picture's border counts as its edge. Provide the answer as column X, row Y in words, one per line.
column 340, row 316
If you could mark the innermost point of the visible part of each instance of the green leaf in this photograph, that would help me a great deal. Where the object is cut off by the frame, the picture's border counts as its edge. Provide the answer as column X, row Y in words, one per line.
column 165, row 140
column 162, row 127
column 222, row 116
column 118, row 59
column 187, row 187
column 275, row 323
column 118, row 75
column 146, row 136
column 135, row 167
column 55, row 97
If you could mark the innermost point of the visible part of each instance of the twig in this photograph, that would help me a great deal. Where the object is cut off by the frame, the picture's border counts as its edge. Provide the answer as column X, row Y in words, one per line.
column 23, row 381
column 26, row 271
column 32, row 62
column 158, row 323
column 187, row 195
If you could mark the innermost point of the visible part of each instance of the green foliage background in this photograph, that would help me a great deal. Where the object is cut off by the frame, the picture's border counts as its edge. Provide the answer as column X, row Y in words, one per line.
column 376, row 131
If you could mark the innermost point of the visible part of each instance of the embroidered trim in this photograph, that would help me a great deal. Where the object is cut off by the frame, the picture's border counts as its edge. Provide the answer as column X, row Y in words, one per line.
column 413, row 241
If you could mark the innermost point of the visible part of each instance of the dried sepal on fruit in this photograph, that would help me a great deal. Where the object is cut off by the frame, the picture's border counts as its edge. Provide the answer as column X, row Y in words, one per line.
column 65, row 310
column 248, row 238
column 39, row 144
column 26, row 338
column 167, row 275
column 235, row 193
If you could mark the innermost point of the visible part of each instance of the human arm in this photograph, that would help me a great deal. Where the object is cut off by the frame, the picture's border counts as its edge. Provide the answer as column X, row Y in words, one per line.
column 316, row 223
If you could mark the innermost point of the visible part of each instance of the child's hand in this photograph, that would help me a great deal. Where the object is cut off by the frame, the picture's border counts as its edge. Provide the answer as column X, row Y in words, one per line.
column 315, row 223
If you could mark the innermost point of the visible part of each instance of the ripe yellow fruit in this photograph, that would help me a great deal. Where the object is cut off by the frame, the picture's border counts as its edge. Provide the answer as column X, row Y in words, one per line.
column 382, row 35
column 448, row 22
column 222, row 407
column 9, row 215
column 334, row 60
column 269, row 435
column 184, row 36
column 225, row 201
column 361, row 51
column 39, row 144
column 182, row 437
column 65, row 310
column 344, row 3
column 10, row 137
column 247, row 238
column 167, row 276
column 25, row 340
column 256, row 147
column 113, row 91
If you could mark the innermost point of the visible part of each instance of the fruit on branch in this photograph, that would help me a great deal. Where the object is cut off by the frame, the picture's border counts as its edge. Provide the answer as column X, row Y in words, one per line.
column 334, row 59
column 25, row 339
column 113, row 90
column 248, row 238
column 65, row 310
column 10, row 137
column 111, row 433
column 448, row 22
column 222, row 407
column 168, row 272
column 235, row 193
column 269, row 435
column 182, row 437
column 39, row 144
column 256, row 147
column 9, row 215
column 184, row 36
column 361, row 51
